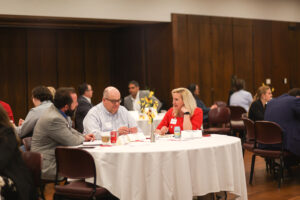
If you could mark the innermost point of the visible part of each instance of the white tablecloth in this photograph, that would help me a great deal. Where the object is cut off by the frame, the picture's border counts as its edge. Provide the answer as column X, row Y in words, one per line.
column 170, row 169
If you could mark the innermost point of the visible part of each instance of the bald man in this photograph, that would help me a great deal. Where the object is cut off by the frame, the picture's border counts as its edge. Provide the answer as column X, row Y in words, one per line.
column 109, row 115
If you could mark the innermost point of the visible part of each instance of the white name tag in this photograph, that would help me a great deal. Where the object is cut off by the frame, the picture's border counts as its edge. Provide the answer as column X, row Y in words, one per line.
column 108, row 124
column 173, row 121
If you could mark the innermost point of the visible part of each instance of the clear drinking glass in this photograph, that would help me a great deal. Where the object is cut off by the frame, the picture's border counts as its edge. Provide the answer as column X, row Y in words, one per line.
column 105, row 137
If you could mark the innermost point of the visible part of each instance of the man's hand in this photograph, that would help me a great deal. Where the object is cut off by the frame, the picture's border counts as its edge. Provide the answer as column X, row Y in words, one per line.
column 123, row 130
column 162, row 131
column 133, row 130
column 20, row 122
column 89, row 137
column 213, row 106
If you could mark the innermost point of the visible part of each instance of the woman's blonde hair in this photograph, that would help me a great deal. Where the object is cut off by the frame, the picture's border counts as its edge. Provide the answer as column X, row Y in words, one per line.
column 188, row 100
column 260, row 91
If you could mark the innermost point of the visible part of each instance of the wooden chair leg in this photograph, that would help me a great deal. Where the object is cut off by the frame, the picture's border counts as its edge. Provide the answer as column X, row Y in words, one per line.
column 252, row 168
column 280, row 175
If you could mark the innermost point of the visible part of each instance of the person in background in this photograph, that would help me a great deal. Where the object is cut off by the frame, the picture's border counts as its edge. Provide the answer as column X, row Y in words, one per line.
column 52, row 90
column 131, row 102
column 232, row 87
column 184, row 113
column 285, row 111
column 258, row 106
column 8, row 110
column 195, row 91
column 84, row 105
column 109, row 115
column 15, row 179
column 241, row 97
column 53, row 129
column 41, row 98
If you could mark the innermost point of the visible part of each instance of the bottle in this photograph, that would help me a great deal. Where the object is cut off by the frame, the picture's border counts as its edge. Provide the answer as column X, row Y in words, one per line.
column 177, row 132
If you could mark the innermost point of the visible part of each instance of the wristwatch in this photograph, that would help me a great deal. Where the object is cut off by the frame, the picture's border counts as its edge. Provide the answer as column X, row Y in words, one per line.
column 187, row 113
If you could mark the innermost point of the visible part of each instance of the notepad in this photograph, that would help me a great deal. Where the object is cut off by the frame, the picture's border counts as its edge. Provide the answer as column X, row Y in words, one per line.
column 93, row 143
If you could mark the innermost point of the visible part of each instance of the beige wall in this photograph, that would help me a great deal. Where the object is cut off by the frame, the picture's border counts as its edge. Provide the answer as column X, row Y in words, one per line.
column 154, row 10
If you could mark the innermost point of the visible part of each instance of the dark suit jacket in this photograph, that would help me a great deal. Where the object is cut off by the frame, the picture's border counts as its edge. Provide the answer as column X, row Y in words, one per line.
column 12, row 165
column 83, row 108
column 142, row 94
column 256, row 111
column 285, row 111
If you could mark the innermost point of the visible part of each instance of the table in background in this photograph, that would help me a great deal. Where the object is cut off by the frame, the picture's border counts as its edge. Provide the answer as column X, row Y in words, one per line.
column 170, row 169
column 144, row 125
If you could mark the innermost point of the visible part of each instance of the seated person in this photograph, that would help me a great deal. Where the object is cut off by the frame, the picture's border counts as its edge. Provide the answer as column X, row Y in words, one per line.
column 41, row 98
column 131, row 102
column 258, row 106
column 184, row 113
column 8, row 110
column 15, row 179
column 195, row 91
column 84, row 105
column 285, row 111
column 53, row 129
column 109, row 115
column 241, row 97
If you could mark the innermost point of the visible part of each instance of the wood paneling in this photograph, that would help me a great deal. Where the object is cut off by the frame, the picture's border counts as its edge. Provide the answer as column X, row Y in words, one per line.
column 41, row 60
column 222, row 57
column 180, row 49
column 129, row 58
column 70, row 58
column 13, row 70
column 242, row 52
column 262, row 51
column 159, row 69
column 98, row 61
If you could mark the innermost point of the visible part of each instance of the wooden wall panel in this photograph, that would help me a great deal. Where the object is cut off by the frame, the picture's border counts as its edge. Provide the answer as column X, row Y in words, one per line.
column 70, row 58
column 262, row 51
column 282, row 60
column 129, row 58
column 160, row 74
column 98, row 61
column 180, row 49
column 205, row 59
column 295, row 69
column 242, row 52
column 13, row 70
column 222, row 57
column 41, row 60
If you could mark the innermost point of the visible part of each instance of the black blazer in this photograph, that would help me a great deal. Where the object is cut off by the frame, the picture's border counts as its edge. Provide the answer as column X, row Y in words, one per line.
column 83, row 108
column 256, row 111
column 12, row 165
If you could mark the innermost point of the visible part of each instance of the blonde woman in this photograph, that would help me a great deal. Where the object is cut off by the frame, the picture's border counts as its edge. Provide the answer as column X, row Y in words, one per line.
column 258, row 107
column 184, row 113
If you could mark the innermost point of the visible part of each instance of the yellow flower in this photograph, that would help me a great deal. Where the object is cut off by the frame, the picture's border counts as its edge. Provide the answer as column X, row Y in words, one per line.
column 151, row 94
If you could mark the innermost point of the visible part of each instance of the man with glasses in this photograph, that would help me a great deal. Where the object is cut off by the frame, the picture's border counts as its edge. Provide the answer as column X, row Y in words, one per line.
column 109, row 115
column 84, row 104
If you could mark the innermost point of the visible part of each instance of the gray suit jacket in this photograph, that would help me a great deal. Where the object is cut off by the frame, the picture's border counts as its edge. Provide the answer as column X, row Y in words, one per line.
column 143, row 93
column 52, row 130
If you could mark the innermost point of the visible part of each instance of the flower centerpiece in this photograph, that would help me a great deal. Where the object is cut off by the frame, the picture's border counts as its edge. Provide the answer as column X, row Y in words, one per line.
column 149, row 109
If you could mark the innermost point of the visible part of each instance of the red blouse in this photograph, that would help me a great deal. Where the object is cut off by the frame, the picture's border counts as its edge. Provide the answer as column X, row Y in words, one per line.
column 170, row 121
column 8, row 110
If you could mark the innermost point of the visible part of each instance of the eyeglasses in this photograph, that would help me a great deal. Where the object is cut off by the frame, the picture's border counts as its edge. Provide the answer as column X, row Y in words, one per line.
column 114, row 101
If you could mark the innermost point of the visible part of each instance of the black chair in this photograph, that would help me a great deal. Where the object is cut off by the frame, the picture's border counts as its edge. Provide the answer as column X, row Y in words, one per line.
column 78, row 164
column 269, row 133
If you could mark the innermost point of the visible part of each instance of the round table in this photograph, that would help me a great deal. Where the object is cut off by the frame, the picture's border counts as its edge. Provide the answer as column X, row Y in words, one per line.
column 172, row 169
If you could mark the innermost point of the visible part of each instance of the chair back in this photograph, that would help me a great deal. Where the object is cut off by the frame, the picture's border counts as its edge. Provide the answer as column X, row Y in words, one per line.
column 219, row 115
column 236, row 112
column 221, row 103
column 27, row 143
column 250, row 131
column 74, row 163
column 33, row 161
column 267, row 132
